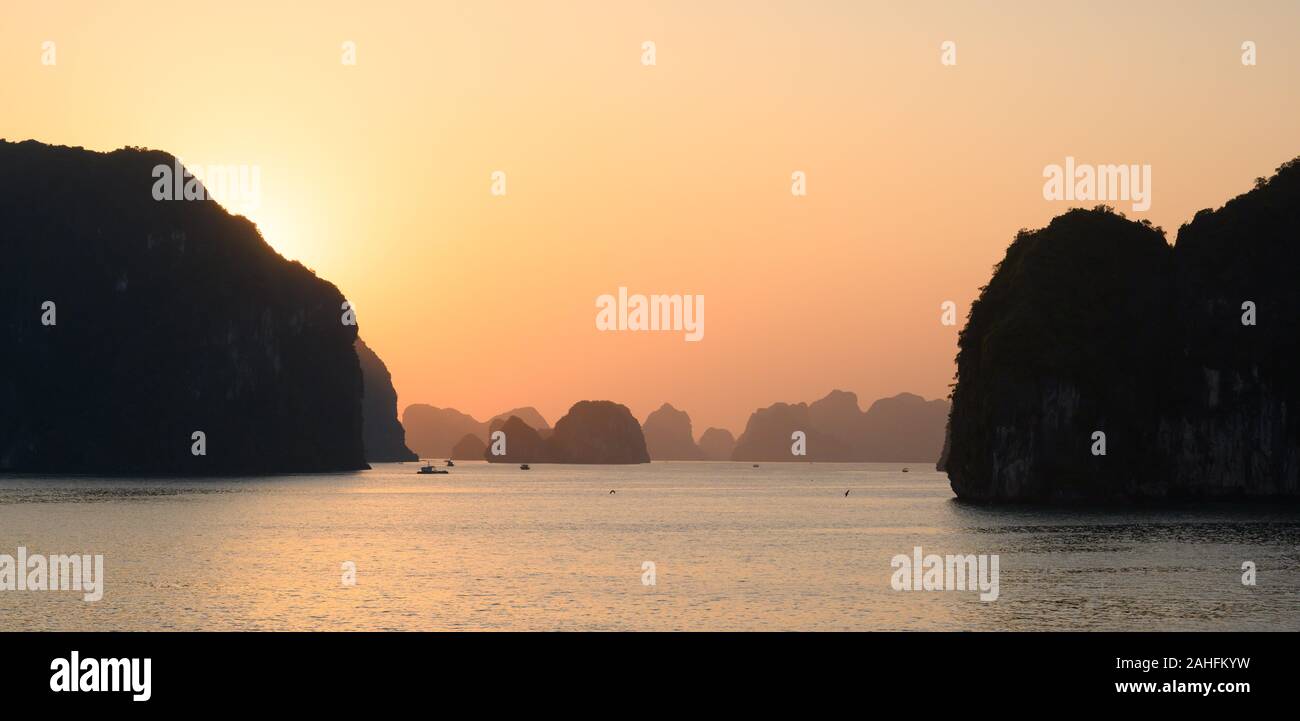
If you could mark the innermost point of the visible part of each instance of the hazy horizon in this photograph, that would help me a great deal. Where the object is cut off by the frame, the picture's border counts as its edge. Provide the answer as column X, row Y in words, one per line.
column 864, row 404
column 669, row 178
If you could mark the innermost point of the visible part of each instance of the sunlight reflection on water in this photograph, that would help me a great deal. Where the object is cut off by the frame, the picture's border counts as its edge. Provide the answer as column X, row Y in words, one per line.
column 492, row 547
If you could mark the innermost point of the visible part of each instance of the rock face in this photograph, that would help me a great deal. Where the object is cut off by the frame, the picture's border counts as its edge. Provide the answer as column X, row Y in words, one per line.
column 469, row 448
column 668, row 435
column 1095, row 324
column 716, row 444
column 903, row 428
column 130, row 324
column 384, row 438
column 942, row 465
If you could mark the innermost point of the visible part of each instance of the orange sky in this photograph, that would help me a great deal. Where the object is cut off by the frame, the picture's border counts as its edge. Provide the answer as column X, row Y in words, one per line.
column 672, row 178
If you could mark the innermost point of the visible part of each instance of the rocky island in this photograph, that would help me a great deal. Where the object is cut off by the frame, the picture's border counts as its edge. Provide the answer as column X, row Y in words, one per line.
column 591, row 432
column 903, row 428
column 717, row 444
column 1101, row 363
column 437, row 432
column 149, row 336
column 668, row 435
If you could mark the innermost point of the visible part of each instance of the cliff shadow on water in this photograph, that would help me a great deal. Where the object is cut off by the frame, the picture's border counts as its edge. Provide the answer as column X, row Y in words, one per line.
column 1101, row 363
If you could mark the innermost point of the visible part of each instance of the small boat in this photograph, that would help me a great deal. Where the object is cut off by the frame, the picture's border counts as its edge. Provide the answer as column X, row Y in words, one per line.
column 428, row 468
column 756, row 465
column 450, row 464
column 523, row 467
column 907, row 470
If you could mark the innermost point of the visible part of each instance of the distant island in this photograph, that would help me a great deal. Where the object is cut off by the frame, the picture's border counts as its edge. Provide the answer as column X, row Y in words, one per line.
column 668, row 435
column 903, row 428
column 434, row 432
column 1101, row 363
column 160, row 337
column 717, row 444
column 591, row 432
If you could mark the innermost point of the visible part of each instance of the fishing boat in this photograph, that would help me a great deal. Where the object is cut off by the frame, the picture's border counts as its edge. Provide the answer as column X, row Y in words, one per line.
column 523, row 467
column 428, row 468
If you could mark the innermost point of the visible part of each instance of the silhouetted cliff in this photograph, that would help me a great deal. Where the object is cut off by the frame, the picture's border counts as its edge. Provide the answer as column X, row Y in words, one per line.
column 384, row 438
column 668, row 435
column 942, row 464
column 903, row 428
column 717, row 444
column 1095, row 324
column 168, row 318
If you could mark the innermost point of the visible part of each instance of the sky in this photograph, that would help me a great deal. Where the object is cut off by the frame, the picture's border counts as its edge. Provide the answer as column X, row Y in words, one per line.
column 667, row 178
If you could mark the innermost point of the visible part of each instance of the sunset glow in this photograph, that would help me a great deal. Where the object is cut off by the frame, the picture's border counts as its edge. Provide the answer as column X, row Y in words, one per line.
column 671, row 178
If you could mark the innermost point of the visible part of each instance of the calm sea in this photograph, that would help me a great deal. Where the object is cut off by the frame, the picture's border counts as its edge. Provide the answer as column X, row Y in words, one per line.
column 733, row 547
